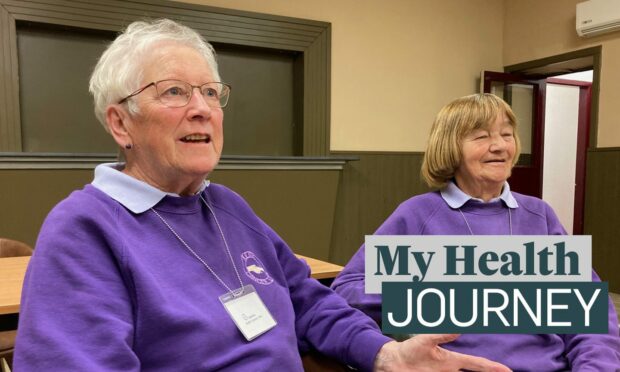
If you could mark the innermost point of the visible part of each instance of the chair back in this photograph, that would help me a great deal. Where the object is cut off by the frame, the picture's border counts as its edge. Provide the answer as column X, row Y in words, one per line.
column 14, row 248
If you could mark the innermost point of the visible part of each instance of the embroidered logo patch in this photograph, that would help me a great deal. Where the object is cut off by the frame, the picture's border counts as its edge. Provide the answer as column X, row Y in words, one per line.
column 255, row 269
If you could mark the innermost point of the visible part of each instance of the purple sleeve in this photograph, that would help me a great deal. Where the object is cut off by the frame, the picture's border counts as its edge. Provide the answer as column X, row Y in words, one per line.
column 350, row 282
column 350, row 285
column 92, row 328
column 595, row 352
column 323, row 319
column 590, row 352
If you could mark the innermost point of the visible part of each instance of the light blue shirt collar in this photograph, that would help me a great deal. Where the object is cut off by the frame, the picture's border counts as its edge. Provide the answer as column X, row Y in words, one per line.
column 456, row 198
column 135, row 195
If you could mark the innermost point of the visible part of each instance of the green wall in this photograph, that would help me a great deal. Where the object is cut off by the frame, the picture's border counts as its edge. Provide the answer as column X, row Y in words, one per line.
column 602, row 213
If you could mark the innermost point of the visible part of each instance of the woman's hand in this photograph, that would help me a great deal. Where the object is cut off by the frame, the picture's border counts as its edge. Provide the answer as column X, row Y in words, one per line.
column 422, row 353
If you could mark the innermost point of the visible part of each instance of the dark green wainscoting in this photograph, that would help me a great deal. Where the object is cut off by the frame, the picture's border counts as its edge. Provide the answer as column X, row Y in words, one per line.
column 602, row 213
column 370, row 189
column 298, row 204
column 27, row 196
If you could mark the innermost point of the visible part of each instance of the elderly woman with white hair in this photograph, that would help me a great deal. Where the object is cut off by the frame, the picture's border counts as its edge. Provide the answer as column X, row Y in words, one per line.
column 151, row 267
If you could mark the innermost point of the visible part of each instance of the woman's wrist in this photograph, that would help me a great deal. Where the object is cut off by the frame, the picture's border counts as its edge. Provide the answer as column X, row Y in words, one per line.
column 386, row 356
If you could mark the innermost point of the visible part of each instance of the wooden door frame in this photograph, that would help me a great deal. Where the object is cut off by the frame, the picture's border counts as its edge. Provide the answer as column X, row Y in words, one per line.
column 595, row 53
column 586, row 141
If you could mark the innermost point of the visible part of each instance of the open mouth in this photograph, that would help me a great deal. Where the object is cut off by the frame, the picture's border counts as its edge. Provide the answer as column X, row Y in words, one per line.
column 196, row 138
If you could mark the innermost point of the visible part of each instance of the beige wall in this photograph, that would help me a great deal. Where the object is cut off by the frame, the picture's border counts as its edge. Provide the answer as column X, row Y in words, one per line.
column 535, row 29
column 396, row 63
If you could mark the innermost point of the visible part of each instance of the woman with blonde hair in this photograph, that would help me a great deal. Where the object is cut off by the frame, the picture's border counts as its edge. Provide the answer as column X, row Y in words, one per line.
column 472, row 148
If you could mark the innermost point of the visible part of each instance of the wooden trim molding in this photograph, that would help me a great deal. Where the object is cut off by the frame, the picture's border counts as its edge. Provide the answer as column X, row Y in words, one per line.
column 90, row 161
column 312, row 38
column 373, row 152
column 10, row 132
column 604, row 149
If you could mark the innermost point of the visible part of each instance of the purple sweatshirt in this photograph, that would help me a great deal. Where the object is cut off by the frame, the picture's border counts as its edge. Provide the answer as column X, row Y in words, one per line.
column 111, row 289
column 432, row 214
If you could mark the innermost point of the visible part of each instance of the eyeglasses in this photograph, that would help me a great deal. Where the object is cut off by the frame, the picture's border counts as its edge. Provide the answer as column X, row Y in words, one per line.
column 177, row 93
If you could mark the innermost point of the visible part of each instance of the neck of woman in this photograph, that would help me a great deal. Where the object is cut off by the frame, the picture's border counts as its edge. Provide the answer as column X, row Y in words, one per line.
column 484, row 191
column 176, row 184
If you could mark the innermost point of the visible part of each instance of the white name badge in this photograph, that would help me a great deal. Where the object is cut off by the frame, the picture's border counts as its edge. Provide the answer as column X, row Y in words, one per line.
column 248, row 312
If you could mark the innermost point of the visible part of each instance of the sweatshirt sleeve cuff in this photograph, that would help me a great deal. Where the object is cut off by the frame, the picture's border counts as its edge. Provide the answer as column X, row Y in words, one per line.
column 363, row 350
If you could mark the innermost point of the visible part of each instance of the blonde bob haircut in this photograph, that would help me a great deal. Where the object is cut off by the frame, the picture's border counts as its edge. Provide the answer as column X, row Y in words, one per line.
column 453, row 123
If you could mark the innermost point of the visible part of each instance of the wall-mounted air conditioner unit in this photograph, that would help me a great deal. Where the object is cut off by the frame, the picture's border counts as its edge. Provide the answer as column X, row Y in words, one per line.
column 595, row 17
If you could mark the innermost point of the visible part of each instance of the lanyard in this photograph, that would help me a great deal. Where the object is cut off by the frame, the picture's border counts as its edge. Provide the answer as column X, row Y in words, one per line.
column 472, row 233
column 234, row 293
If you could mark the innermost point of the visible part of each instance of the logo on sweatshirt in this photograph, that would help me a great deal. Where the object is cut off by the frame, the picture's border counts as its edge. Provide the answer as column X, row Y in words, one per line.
column 255, row 269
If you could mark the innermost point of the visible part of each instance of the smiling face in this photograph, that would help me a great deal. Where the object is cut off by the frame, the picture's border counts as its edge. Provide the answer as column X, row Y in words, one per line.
column 487, row 156
column 174, row 149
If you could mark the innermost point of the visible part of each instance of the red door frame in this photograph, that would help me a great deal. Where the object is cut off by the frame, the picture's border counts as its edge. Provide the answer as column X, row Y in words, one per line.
column 583, row 133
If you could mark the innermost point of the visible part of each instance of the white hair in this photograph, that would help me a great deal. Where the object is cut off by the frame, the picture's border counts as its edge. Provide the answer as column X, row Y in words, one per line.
column 119, row 70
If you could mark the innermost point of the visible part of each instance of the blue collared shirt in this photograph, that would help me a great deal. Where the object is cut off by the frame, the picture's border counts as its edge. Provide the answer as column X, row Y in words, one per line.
column 456, row 198
column 135, row 195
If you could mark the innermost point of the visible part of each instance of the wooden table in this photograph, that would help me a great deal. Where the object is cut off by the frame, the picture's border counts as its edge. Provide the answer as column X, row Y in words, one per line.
column 321, row 269
column 12, row 270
